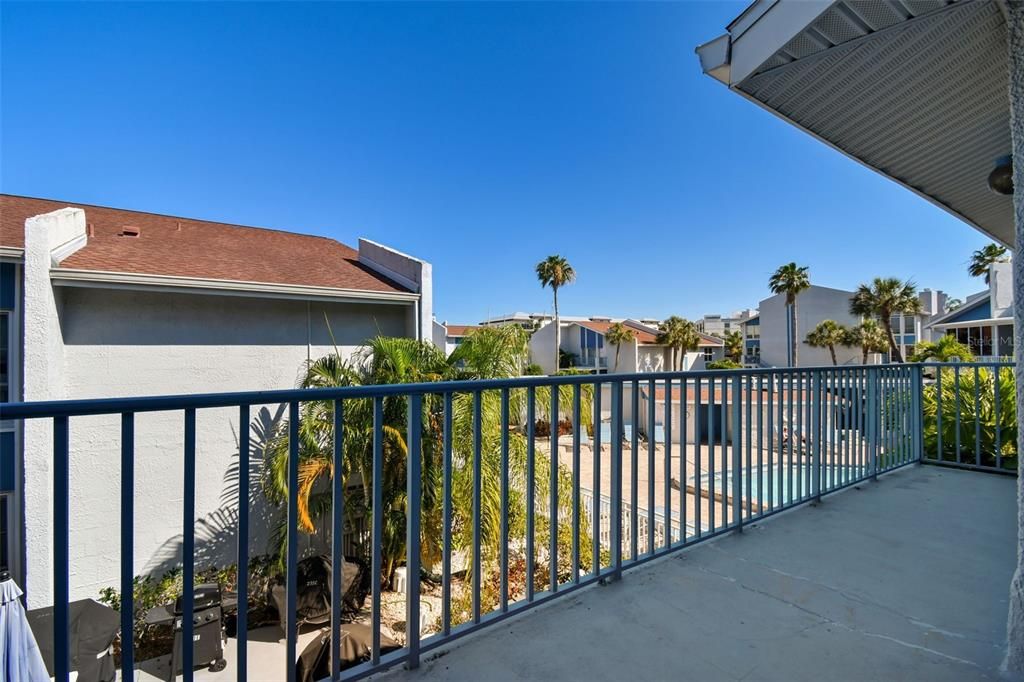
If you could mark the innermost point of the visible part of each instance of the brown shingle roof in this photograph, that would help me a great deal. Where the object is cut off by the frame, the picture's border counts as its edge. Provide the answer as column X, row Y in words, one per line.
column 460, row 329
column 182, row 247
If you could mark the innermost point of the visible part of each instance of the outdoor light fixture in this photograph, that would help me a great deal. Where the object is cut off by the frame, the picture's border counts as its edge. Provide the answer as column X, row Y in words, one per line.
column 1000, row 180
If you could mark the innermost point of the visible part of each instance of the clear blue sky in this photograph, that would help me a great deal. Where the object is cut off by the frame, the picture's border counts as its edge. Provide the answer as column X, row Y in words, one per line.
column 480, row 137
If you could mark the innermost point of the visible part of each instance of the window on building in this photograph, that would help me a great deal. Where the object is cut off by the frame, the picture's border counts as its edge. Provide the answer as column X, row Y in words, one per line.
column 709, row 354
column 1004, row 334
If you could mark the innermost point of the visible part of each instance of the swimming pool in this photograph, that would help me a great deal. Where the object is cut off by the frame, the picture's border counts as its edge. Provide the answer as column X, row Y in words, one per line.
column 786, row 484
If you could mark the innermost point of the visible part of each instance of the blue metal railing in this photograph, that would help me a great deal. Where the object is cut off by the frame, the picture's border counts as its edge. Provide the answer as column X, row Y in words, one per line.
column 736, row 446
column 969, row 415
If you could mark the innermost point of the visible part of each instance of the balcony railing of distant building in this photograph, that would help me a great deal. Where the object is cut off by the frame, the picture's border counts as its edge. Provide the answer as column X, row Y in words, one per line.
column 735, row 446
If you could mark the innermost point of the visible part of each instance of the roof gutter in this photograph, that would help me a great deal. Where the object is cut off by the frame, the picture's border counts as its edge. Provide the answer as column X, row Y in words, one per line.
column 197, row 285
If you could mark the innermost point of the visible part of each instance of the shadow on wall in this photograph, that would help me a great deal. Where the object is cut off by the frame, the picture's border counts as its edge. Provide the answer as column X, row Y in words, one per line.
column 216, row 535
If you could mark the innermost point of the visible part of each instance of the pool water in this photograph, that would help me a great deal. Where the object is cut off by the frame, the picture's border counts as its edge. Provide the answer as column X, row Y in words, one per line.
column 791, row 485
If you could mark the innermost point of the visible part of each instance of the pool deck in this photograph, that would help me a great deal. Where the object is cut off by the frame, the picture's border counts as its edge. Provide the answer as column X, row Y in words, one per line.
column 903, row 578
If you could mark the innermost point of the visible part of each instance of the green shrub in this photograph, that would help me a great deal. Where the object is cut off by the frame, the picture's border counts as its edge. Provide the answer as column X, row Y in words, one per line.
column 149, row 592
column 723, row 364
column 533, row 370
column 984, row 413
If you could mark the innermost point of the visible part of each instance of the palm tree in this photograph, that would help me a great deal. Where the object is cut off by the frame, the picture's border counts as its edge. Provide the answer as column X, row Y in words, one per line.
column 680, row 335
column 982, row 260
column 486, row 353
column 828, row 334
column 734, row 346
column 555, row 272
column 945, row 349
column 790, row 279
column 885, row 297
column 617, row 335
column 870, row 336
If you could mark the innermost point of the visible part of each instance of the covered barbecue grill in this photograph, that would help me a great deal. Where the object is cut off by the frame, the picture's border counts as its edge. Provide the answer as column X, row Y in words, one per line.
column 356, row 647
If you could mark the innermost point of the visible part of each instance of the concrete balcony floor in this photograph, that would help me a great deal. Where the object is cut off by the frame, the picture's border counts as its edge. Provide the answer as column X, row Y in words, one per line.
column 904, row 578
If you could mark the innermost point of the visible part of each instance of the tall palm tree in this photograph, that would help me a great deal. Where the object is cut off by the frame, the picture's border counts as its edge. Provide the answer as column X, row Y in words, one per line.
column 790, row 279
column 733, row 346
column 555, row 272
column 828, row 334
column 617, row 335
column 680, row 335
column 982, row 260
column 869, row 336
column 883, row 298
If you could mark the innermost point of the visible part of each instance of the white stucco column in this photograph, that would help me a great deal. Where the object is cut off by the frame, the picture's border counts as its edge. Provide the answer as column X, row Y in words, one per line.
column 1015, row 38
column 47, row 237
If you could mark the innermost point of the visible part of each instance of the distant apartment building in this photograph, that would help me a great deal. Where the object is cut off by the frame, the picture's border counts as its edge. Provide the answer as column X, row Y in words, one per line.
column 583, row 342
column 766, row 335
column 720, row 325
column 751, row 330
column 985, row 321
column 448, row 337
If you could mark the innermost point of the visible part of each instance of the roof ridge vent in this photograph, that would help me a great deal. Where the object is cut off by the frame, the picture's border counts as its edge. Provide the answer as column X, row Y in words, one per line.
column 130, row 231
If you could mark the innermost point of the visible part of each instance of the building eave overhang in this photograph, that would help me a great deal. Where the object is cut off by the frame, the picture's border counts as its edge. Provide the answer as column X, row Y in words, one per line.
column 915, row 91
column 196, row 285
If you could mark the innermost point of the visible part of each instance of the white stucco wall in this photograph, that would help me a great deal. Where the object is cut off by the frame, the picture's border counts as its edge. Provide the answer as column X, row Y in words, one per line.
column 1001, row 289
column 1015, row 620
column 43, row 363
column 414, row 274
column 127, row 343
column 92, row 342
column 542, row 344
column 813, row 306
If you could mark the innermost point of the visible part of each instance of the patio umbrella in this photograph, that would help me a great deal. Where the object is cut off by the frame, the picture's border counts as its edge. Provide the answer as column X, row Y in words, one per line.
column 20, row 658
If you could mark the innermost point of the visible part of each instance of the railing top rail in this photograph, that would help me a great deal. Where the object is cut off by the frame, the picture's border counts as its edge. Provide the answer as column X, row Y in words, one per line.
column 167, row 403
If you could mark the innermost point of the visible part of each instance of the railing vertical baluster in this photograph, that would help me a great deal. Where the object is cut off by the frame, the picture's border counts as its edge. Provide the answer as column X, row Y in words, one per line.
column 595, row 514
column 337, row 535
column 378, row 523
column 412, row 529
column 291, row 575
column 503, row 560
column 127, row 545
column 477, row 502
column 771, row 441
column 616, row 482
column 790, row 423
column 61, row 577
column 553, row 495
column 956, row 402
column 737, row 451
column 650, row 466
column 872, row 445
column 724, row 449
column 188, row 544
column 712, row 493
column 816, row 435
column 531, row 486
column 917, row 411
column 748, row 442
column 634, row 473
column 997, row 416
column 446, row 513
column 242, row 559
column 577, row 413
column 938, row 414
column 684, row 410
column 698, row 476
column 667, row 466
column 977, row 416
